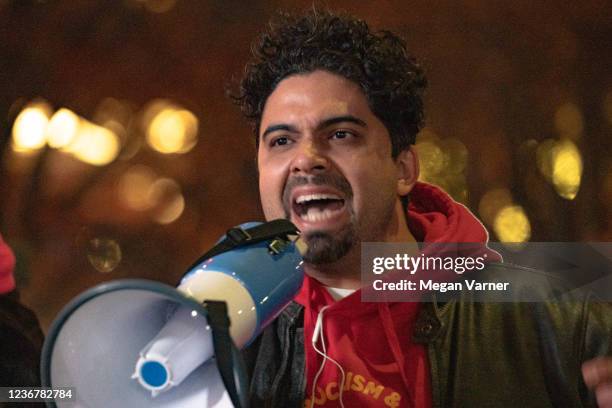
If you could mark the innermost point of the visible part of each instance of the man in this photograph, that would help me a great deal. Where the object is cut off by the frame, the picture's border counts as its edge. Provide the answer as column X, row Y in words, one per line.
column 336, row 109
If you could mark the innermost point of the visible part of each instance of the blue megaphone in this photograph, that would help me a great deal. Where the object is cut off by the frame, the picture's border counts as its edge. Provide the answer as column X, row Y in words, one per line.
column 150, row 343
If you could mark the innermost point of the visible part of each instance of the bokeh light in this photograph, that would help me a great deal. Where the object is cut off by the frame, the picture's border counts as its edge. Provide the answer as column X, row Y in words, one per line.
column 134, row 186
column 94, row 144
column 170, row 128
column 104, row 254
column 443, row 162
column 457, row 155
column 560, row 162
column 511, row 225
column 492, row 202
column 167, row 200
column 567, row 169
column 432, row 160
column 29, row 129
column 62, row 128
column 544, row 157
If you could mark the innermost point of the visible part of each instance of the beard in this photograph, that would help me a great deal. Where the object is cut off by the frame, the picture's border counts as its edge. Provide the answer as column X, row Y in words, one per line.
column 325, row 247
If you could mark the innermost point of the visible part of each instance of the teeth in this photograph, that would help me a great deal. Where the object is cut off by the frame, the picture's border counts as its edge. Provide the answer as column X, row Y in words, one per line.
column 310, row 197
column 316, row 215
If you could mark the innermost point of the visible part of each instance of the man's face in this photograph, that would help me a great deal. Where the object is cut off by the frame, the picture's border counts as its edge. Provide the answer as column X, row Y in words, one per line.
column 325, row 163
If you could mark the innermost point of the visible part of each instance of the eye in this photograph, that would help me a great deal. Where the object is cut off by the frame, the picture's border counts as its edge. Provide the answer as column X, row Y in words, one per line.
column 342, row 134
column 280, row 141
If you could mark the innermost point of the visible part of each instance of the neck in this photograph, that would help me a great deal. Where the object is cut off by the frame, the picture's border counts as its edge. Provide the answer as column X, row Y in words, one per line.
column 346, row 272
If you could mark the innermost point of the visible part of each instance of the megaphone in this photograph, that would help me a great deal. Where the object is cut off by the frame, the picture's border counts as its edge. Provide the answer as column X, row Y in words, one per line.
column 139, row 343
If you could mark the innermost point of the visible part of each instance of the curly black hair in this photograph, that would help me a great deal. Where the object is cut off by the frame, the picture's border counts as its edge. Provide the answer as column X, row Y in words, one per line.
column 391, row 79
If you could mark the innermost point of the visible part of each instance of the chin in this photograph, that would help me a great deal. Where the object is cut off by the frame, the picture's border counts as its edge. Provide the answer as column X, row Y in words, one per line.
column 326, row 247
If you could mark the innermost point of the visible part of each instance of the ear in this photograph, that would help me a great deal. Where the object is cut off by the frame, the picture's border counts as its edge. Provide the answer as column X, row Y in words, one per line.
column 407, row 170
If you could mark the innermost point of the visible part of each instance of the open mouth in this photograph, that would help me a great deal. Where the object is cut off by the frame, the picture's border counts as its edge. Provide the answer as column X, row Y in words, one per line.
column 317, row 207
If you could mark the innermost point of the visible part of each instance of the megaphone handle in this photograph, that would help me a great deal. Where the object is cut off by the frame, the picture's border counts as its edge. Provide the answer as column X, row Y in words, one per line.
column 228, row 358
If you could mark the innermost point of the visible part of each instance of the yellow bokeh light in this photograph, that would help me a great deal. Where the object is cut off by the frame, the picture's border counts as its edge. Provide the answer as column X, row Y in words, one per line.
column 153, row 108
column 172, row 211
column 62, row 128
column 493, row 201
column 172, row 130
column 432, row 160
column 544, row 157
column 94, row 144
column 457, row 155
column 426, row 133
column 566, row 169
column 568, row 121
column 133, row 187
column 511, row 225
column 165, row 195
column 29, row 127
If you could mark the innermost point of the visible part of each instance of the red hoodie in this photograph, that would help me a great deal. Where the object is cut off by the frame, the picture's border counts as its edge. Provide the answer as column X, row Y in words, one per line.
column 7, row 264
column 372, row 341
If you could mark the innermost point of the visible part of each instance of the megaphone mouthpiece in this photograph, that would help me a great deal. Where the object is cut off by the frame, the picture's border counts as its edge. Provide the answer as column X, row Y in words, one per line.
column 153, row 375
column 181, row 346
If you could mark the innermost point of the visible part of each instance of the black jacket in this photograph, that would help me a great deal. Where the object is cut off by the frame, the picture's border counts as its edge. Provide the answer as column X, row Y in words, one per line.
column 481, row 354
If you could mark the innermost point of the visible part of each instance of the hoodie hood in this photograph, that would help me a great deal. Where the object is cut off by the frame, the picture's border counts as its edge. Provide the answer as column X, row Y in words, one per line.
column 441, row 224
column 433, row 216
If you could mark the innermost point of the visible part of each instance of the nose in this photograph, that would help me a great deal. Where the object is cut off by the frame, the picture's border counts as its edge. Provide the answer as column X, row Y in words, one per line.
column 309, row 158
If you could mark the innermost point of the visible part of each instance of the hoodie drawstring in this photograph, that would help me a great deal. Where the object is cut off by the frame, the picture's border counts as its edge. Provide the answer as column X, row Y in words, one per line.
column 396, row 348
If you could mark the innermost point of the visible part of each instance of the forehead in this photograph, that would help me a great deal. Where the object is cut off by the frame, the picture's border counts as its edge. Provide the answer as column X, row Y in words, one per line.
column 305, row 99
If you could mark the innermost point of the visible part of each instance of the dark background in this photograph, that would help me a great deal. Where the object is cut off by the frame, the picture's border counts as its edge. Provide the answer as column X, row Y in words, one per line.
column 507, row 80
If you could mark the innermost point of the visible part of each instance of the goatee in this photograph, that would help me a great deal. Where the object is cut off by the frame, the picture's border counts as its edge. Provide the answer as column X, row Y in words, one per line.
column 325, row 247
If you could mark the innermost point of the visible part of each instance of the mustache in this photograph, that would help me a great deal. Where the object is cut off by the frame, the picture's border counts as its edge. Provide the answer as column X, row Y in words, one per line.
column 334, row 180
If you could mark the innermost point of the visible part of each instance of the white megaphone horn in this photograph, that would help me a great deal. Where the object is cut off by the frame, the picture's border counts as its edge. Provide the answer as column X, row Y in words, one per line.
column 139, row 343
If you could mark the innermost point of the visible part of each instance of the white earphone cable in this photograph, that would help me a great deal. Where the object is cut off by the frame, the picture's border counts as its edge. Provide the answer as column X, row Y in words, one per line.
column 318, row 333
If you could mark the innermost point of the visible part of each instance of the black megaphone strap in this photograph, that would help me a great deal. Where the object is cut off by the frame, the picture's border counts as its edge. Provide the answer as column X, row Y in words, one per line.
column 230, row 364
column 237, row 237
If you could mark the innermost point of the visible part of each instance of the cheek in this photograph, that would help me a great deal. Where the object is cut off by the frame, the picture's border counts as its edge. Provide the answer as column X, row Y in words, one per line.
column 271, row 184
column 373, row 188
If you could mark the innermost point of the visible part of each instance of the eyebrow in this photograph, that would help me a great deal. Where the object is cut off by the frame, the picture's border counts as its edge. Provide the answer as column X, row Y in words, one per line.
column 322, row 125
column 274, row 128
